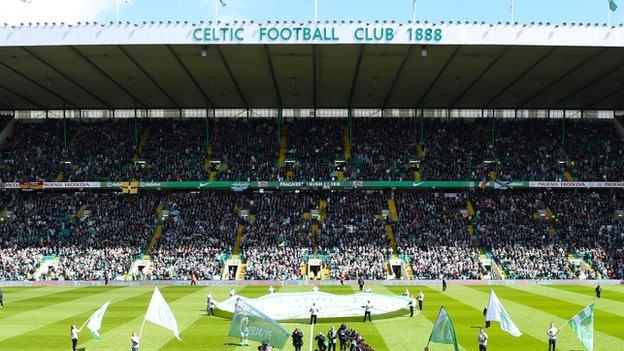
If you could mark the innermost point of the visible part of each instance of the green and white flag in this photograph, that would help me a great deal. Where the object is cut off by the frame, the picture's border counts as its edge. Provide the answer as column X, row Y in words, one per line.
column 250, row 323
column 95, row 321
column 159, row 313
column 612, row 5
column 583, row 326
column 443, row 331
column 496, row 312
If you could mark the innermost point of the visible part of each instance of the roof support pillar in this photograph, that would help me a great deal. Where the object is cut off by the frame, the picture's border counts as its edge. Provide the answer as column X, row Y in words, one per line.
column 64, row 128
column 350, row 124
column 422, row 127
column 279, row 128
column 563, row 130
column 492, row 127
column 136, row 130
column 208, row 130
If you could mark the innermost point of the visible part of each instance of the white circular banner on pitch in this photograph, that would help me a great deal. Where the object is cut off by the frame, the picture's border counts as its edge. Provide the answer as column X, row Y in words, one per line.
column 288, row 306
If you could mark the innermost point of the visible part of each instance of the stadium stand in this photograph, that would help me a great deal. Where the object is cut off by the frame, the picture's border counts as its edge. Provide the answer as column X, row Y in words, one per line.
column 530, row 235
column 248, row 149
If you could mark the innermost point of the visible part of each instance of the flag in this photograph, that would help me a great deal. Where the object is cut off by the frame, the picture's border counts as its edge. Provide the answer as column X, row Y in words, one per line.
column 249, row 323
column 612, row 5
column 158, row 312
column 223, row 4
column 443, row 331
column 496, row 312
column 583, row 326
column 130, row 187
column 95, row 321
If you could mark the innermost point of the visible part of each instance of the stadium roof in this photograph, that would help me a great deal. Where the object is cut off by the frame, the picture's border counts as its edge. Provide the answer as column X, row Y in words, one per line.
column 178, row 65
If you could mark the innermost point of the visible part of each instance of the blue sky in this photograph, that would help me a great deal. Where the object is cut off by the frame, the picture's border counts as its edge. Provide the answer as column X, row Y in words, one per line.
column 554, row 11
column 398, row 10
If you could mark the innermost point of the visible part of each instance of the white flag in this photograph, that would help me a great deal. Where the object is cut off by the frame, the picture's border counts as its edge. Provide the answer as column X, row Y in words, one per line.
column 496, row 312
column 95, row 321
column 158, row 312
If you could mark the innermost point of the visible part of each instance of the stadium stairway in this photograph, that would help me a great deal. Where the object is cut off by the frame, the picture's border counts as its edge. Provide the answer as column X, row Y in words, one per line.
column 157, row 232
column 240, row 232
column 207, row 160
column 240, row 271
column 142, row 142
column 6, row 209
column 314, row 230
column 497, row 272
column 394, row 217
column 7, row 133
column 471, row 212
column 616, row 123
column 394, row 214
column 80, row 212
column 420, row 152
column 282, row 146
column 553, row 228
column 347, row 144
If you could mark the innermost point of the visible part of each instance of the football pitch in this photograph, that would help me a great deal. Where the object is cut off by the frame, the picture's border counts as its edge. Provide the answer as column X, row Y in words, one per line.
column 39, row 318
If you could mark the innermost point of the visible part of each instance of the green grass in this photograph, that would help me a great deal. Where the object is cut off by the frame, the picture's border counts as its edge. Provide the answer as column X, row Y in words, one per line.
column 39, row 318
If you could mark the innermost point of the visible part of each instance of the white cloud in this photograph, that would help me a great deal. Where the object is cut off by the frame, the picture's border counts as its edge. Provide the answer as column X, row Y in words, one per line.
column 68, row 11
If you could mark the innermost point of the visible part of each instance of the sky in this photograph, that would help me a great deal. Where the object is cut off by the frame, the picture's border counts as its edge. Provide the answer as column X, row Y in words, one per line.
column 491, row 11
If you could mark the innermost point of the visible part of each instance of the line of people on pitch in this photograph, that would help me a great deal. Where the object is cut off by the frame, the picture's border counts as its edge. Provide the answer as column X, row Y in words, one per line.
column 343, row 339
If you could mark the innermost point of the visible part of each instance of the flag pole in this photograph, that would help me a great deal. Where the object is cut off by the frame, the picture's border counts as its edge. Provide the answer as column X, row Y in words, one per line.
column 142, row 326
column 511, row 9
column 117, row 9
column 413, row 10
column 83, row 324
column 609, row 13
column 315, row 10
column 216, row 10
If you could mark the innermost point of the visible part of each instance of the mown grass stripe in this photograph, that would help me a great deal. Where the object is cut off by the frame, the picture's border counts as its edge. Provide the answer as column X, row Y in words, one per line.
column 615, row 288
column 129, row 316
column 580, row 299
column 533, row 318
column 55, row 334
column 589, row 291
column 604, row 321
column 52, row 308
column 22, row 301
column 405, row 333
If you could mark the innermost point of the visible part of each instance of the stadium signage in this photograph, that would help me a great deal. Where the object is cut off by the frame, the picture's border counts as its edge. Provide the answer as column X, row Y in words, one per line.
column 326, row 32
column 316, row 34
column 241, row 186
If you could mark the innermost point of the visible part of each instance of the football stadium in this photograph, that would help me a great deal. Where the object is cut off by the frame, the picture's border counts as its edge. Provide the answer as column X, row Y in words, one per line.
column 311, row 185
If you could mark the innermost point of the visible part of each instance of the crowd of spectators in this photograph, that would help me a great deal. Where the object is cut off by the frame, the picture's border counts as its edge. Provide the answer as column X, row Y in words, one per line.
column 591, row 226
column 159, row 149
column 91, row 236
column 198, row 231
column 314, row 145
column 529, row 234
column 353, row 235
column 247, row 150
column 32, row 152
column 279, row 236
column 529, row 149
column 597, row 150
column 432, row 233
column 382, row 149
